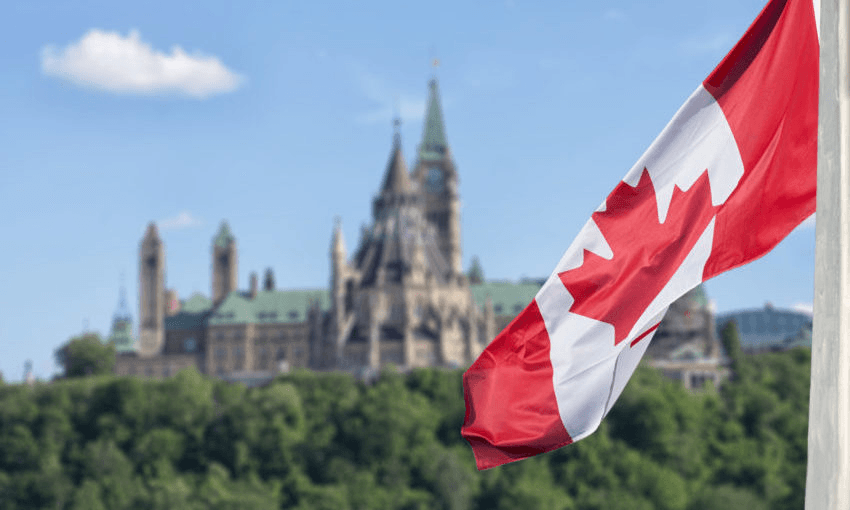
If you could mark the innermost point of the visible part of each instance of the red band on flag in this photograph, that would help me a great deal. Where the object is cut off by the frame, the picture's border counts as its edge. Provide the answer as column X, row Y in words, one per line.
column 767, row 88
column 511, row 382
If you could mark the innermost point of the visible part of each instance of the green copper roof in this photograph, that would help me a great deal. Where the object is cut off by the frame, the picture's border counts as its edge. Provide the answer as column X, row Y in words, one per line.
column 434, row 142
column 192, row 315
column 197, row 303
column 268, row 307
column 509, row 298
column 122, row 335
column 224, row 237
column 698, row 297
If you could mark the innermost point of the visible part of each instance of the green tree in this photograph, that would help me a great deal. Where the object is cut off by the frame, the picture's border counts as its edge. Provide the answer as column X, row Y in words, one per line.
column 476, row 272
column 725, row 497
column 86, row 355
column 732, row 342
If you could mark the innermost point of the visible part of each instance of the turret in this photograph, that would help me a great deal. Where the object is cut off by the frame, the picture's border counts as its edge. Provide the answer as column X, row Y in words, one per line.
column 339, row 277
column 268, row 280
column 121, row 334
column 151, row 293
column 254, row 285
column 224, row 263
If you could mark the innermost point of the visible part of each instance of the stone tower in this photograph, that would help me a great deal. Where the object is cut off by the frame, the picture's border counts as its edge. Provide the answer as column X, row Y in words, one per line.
column 341, row 297
column 151, row 293
column 224, row 264
column 436, row 175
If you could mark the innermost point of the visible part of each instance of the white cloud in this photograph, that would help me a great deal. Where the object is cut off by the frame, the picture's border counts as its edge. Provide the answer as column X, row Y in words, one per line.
column 807, row 308
column 387, row 101
column 183, row 220
column 127, row 65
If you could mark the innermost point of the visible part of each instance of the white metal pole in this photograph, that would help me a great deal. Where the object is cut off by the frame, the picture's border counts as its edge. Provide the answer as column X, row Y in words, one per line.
column 828, row 469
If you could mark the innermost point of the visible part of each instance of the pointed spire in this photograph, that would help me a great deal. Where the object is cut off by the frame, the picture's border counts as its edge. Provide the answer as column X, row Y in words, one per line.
column 396, row 178
column 434, row 137
column 151, row 233
column 338, row 243
column 123, row 311
column 224, row 236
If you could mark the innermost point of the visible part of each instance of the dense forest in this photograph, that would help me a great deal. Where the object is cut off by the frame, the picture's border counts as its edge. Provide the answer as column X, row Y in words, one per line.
column 327, row 441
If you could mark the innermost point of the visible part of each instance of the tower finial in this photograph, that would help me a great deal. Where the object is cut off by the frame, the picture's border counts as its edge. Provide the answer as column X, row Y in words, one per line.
column 435, row 62
column 397, row 129
column 123, row 312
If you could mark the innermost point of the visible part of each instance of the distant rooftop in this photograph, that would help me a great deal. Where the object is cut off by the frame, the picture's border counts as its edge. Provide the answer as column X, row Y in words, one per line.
column 769, row 328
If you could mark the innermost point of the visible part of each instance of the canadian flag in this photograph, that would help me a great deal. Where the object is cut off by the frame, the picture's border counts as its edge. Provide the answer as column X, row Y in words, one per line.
column 729, row 177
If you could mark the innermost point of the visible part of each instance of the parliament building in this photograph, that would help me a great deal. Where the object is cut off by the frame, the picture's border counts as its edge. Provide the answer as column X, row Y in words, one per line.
column 400, row 297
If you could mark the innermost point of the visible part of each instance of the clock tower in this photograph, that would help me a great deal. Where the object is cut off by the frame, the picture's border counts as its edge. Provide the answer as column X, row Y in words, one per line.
column 436, row 175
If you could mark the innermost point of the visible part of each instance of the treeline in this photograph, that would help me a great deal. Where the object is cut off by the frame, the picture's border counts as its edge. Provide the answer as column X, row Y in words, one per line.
column 326, row 441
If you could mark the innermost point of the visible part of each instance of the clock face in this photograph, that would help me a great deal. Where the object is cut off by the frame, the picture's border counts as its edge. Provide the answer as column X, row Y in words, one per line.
column 435, row 180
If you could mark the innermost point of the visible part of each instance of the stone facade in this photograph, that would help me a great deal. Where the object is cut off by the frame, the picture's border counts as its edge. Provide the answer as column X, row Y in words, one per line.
column 686, row 346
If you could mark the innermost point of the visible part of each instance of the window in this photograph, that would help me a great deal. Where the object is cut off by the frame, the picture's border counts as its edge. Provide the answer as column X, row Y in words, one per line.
column 237, row 351
column 189, row 345
column 497, row 309
column 220, row 352
column 396, row 312
column 699, row 380
column 517, row 308
column 293, row 314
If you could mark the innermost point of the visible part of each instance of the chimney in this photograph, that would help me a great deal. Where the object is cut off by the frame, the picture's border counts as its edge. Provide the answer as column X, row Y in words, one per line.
column 253, row 285
column 172, row 303
column 268, row 281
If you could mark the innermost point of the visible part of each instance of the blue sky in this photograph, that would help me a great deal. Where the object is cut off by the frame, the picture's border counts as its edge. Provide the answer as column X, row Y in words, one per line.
column 277, row 117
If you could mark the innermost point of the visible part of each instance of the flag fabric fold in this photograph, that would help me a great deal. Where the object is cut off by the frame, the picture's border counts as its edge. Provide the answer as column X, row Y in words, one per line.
column 730, row 176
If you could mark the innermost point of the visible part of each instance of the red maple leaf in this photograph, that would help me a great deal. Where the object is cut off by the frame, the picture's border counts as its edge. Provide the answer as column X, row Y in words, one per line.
column 646, row 252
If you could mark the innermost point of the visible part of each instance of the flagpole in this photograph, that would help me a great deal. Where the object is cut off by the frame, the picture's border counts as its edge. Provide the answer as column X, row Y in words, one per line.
column 828, row 469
